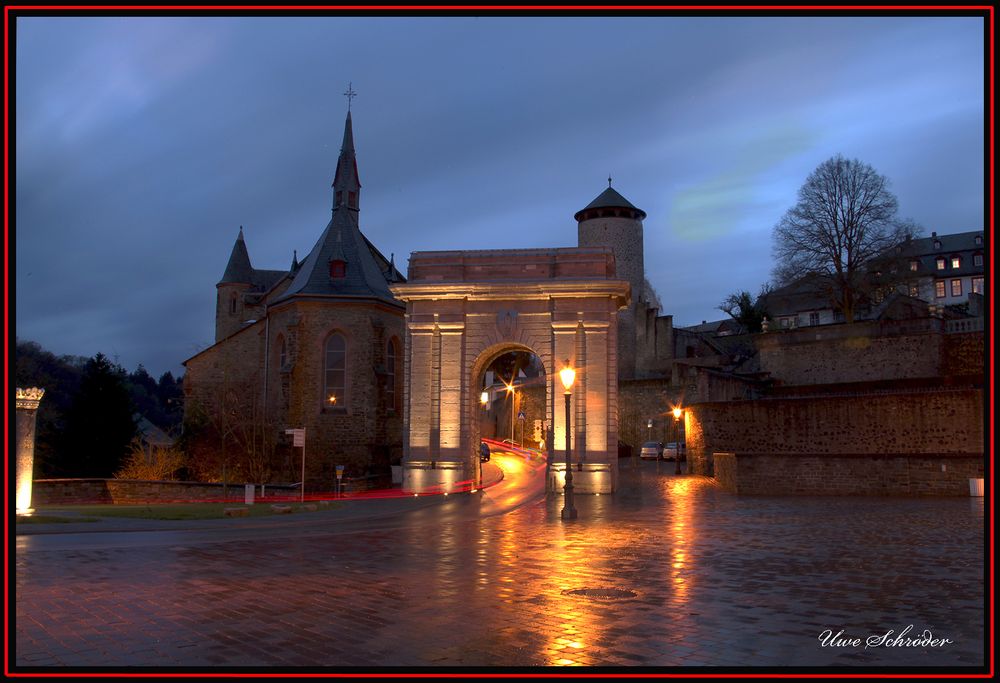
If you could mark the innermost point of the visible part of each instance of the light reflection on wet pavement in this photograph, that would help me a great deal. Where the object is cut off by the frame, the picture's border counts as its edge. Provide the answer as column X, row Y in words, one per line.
column 719, row 580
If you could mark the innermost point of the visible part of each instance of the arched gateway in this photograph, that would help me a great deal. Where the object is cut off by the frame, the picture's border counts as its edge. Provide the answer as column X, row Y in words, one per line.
column 464, row 309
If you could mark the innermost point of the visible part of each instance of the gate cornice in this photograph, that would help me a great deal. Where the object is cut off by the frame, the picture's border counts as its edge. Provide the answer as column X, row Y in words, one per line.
column 618, row 290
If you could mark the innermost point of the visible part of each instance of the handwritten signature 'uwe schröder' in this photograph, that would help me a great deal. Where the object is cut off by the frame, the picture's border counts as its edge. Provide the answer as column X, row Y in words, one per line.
column 888, row 639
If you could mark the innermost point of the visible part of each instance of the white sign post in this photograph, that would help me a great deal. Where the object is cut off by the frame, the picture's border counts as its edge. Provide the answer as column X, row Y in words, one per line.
column 299, row 440
column 340, row 475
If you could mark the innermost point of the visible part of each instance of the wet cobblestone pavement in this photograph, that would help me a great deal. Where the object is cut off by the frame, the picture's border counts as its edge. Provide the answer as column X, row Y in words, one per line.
column 718, row 580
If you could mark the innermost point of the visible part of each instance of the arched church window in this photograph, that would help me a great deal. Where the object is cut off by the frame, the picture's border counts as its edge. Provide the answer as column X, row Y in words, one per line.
column 335, row 372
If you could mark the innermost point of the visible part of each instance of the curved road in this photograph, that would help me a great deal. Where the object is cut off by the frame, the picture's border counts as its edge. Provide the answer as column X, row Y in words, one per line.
column 523, row 482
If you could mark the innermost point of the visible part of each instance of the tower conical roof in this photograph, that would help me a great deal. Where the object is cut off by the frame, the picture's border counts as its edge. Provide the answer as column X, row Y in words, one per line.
column 238, row 269
column 610, row 199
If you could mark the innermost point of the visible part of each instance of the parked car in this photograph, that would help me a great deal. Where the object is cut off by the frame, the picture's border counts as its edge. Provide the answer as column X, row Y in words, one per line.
column 651, row 450
column 670, row 451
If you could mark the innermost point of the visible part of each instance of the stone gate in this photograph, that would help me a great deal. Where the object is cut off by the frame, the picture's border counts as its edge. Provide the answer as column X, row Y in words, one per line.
column 464, row 309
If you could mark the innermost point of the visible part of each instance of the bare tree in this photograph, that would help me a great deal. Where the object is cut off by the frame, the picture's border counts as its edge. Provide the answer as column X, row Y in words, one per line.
column 845, row 217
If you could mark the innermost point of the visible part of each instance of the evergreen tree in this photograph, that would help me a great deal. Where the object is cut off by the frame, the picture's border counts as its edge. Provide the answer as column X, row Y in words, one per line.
column 99, row 423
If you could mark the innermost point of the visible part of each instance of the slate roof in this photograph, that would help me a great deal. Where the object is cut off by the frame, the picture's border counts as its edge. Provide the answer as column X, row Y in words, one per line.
column 962, row 244
column 342, row 240
column 610, row 199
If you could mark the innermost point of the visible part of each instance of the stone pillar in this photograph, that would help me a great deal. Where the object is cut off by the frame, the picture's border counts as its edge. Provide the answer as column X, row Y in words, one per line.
column 27, row 401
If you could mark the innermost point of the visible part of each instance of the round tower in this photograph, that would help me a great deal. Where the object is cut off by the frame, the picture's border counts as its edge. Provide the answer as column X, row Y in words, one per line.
column 612, row 221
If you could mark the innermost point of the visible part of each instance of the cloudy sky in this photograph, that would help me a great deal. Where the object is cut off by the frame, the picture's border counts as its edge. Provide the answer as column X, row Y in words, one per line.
column 143, row 144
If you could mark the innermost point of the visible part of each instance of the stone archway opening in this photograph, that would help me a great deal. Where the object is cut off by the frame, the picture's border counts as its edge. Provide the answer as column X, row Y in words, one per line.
column 510, row 397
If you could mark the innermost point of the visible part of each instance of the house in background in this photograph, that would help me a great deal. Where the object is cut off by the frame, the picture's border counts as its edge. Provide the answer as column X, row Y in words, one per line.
column 936, row 272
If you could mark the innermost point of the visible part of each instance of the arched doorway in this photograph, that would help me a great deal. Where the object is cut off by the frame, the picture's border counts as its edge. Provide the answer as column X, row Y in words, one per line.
column 466, row 309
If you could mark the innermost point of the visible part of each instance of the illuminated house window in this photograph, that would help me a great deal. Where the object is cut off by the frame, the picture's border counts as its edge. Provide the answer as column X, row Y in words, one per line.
column 914, row 291
column 335, row 372
column 939, row 289
column 956, row 262
column 956, row 288
column 940, row 264
column 914, row 265
column 977, row 285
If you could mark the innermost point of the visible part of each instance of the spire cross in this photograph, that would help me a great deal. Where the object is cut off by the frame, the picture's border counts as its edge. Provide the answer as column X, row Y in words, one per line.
column 349, row 94
column 609, row 180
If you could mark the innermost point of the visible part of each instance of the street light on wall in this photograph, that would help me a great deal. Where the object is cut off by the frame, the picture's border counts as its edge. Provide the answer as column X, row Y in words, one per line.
column 677, row 439
column 568, row 375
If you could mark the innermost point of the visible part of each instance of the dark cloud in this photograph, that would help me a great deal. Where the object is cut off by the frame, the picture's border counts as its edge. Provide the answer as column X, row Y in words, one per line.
column 144, row 143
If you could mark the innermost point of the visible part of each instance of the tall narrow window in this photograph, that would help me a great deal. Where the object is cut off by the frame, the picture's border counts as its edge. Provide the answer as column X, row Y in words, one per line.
column 390, row 372
column 939, row 289
column 956, row 288
column 977, row 285
column 282, row 352
column 232, row 304
column 335, row 372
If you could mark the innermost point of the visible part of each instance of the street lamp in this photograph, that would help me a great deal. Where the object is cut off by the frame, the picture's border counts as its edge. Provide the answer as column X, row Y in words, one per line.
column 568, row 376
column 513, row 401
column 677, row 439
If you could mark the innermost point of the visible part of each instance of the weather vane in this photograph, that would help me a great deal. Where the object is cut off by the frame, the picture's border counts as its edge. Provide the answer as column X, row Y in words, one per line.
column 609, row 175
column 350, row 94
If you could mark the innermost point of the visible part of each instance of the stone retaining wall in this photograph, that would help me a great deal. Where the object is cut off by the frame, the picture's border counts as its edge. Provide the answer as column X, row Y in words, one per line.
column 869, row 475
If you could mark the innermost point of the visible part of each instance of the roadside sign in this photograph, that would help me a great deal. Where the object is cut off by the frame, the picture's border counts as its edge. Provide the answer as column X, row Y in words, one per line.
column 298, row 437
column 340, row 471
column 521, row 415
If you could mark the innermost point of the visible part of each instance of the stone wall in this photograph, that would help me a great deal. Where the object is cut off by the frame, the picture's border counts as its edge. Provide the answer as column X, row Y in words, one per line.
column 873, row 475
column 878, row 443
column 121, row 491
column 963, row 354
column 858, row 352
column 929, row 422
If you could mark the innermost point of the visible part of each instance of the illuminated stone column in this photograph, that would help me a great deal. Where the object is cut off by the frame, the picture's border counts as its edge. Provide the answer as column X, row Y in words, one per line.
column 27, row 401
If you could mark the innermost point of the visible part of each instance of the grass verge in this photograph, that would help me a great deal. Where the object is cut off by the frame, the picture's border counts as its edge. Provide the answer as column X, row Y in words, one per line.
column 171, row 511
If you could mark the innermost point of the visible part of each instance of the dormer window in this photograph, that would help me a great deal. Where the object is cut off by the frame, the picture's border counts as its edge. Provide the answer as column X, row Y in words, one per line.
column 956, row 262
column 940, row 264
column 979, row 240
column 338, row 269
column 937, row 244
column 977, row 260
column 914, row 265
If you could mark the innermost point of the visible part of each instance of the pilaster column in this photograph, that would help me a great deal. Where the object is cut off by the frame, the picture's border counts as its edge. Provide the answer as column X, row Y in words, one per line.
column 27, row 401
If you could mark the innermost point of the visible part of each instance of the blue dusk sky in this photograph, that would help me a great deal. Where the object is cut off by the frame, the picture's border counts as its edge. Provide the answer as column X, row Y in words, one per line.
column 143, row 144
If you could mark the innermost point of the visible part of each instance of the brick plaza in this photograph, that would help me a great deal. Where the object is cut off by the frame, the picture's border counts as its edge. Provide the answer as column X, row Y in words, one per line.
column 670, row 572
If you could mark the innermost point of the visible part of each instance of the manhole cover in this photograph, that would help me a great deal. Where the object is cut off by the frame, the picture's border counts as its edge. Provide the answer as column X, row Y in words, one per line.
column 602, row 593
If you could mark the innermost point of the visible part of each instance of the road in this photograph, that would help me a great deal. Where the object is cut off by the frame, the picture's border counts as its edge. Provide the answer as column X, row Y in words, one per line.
column 670, row 571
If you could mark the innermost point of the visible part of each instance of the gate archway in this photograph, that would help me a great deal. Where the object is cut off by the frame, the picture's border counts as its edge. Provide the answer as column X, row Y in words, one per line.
column 463, row 309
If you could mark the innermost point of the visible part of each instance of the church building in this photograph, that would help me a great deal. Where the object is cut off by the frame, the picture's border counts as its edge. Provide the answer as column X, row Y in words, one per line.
column 319, row 347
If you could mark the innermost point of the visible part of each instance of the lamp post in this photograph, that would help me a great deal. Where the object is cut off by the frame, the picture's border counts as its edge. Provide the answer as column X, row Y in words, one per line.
column 568, row 376
column 513, row 401
column 484, row 400
column 677, row 439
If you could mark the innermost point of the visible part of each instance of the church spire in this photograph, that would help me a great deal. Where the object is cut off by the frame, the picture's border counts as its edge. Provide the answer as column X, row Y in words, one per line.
column 346, row 183
column 238, row 269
